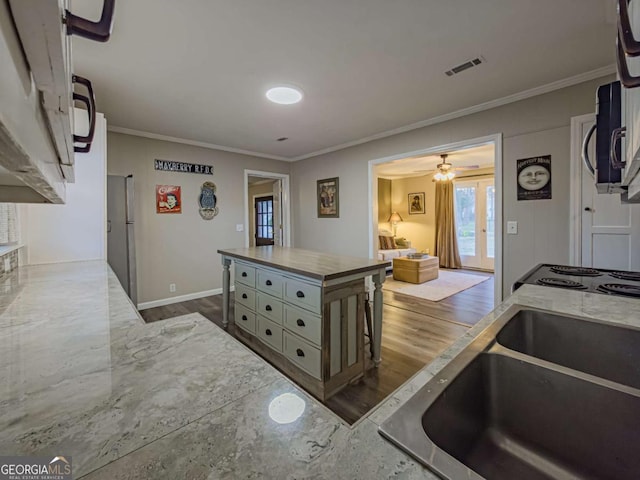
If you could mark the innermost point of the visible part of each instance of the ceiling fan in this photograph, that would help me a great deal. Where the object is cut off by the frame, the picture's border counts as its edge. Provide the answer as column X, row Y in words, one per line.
column 446, row 171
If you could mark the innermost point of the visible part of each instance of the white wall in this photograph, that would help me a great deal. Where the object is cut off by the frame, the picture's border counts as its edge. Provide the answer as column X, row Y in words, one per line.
column 74, row 231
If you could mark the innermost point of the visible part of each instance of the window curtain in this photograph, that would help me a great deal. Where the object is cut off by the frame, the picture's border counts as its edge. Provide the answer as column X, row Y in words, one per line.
column 446, row 239
column 8, row 223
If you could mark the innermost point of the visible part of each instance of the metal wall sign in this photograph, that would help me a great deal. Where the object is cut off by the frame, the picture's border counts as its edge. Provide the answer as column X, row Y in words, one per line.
column 208, row 201
column 182, row 167
column 534, row 178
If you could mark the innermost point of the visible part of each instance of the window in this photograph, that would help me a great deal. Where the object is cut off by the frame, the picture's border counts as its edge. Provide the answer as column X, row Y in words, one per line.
column 8, row 223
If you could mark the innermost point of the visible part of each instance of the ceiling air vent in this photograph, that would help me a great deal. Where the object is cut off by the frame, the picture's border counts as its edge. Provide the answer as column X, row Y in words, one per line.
column 464, row 66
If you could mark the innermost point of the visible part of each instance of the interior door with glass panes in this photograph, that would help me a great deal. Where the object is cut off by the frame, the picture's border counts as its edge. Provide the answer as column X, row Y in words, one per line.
column 475, row 222
column 264, row 220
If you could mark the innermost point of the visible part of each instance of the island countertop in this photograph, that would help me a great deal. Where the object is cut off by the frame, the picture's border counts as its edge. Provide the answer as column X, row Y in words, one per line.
column 318, row 265
column 82, row 375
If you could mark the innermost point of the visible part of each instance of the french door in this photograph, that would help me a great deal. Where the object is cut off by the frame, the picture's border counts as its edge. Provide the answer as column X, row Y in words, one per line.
column 264, row 221
column 475, row 222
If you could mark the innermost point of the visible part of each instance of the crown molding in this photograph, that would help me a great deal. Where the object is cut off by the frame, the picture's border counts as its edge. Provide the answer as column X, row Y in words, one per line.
column 516, row 97
column 195, row 143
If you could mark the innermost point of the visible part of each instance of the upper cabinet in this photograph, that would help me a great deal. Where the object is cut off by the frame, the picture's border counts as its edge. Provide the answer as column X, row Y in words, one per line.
column 38, row 90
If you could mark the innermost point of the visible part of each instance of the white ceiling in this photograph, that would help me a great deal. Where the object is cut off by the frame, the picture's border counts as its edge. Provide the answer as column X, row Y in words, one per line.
column 482, row 156
column 198, row 69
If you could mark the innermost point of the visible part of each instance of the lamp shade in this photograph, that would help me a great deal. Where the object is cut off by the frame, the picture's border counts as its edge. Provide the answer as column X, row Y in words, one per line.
column 395, row 218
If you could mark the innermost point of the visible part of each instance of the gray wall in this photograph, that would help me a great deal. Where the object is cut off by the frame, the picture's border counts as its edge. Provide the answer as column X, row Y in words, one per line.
column 535, row 126
column 182, row 248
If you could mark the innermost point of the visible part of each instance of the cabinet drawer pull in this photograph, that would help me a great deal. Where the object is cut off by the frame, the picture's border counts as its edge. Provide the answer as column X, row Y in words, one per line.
column 244, row 295
column 268, row 282
column 268, row 332
column 99, row 31
column 90, row 102
column 244, row 274
column 300, row 294
column 244, row 317
column 299, row 352
column 626, row 78
column 268, row 308
column 300, row 322
column 629, row 44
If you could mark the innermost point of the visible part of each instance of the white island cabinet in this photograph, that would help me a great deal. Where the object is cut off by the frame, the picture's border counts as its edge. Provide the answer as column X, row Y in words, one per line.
column 304, row 312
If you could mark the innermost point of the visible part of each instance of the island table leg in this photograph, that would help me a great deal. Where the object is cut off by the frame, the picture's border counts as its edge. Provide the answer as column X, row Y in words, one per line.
column 378, row 279
column 226, row 280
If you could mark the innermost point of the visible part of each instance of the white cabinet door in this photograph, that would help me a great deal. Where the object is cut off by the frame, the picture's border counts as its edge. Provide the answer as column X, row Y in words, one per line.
column 632, row 106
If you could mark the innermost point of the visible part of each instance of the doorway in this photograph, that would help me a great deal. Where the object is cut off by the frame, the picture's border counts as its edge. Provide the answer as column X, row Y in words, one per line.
column 409, row 227
column 266, row 223
column 475, row 222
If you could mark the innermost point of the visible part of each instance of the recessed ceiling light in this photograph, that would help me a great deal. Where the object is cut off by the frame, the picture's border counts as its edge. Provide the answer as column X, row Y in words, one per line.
column 284, row 95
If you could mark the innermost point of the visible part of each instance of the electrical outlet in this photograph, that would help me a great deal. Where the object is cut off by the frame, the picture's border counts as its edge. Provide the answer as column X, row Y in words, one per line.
column 239, row 227
column 172, row 287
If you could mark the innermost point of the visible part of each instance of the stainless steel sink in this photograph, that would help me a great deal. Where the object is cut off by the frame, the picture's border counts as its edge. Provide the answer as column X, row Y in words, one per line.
column 601, row 349
column 511, row 413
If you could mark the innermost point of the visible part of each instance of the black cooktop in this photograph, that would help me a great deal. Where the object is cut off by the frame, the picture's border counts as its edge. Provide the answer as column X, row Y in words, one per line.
column 594, row 280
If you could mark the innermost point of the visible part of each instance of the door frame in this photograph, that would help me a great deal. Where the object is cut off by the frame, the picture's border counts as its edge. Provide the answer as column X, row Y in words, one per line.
column 575, row 187
column 496, row 139
column 285, row 203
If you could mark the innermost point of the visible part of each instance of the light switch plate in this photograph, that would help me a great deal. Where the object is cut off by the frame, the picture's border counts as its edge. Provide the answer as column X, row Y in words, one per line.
column 512, row 228
column 239, row 227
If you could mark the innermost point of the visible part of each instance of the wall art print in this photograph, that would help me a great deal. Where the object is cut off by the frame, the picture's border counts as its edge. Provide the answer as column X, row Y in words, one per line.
column 168, row 199
column 534, row 178
column 328, row 201
column 416, row 203
column 208, row 201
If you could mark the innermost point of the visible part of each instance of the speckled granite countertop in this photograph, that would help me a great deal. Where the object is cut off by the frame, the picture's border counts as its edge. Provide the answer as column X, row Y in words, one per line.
column 82, row 375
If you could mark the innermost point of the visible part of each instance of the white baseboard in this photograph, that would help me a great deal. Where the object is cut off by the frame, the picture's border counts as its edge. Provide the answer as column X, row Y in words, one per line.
column 181, row 298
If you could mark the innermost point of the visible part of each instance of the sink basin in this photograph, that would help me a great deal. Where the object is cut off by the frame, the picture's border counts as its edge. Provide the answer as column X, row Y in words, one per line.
column 517, row 408
column 601, row 349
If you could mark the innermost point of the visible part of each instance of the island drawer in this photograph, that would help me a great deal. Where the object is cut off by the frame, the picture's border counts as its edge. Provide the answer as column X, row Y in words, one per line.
column 304, row 355
column 302, row 294
column 269, row 332
column 270, row 307
column 245, row 274
column 245, row 318
column 303, row 323
column 269, row 282
column 246, row 296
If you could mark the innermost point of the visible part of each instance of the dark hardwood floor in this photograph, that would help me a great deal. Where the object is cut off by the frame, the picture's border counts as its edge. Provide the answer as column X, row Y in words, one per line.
column 415, row 332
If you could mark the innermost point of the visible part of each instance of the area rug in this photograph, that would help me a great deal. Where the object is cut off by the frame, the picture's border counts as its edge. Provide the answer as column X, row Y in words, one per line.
column 448, row 283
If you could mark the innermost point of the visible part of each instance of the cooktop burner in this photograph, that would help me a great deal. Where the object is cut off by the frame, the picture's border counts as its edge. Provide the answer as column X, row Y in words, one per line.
column 633, row 276
column 578, row 271
column 560, row 282
column 620, row 289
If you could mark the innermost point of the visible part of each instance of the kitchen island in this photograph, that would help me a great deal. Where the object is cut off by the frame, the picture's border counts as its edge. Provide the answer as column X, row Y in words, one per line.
column 82, row 375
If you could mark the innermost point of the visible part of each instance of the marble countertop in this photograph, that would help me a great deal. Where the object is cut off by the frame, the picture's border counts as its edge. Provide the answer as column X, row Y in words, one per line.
column 82, row 375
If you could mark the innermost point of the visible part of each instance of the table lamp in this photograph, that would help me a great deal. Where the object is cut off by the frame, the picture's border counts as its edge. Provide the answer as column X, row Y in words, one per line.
column 393, row 220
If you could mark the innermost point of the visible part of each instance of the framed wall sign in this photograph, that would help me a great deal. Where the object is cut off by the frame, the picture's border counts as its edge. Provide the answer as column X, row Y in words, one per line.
column 168, row 199
column 328, row 198
column 534, row 178
column 416, row 203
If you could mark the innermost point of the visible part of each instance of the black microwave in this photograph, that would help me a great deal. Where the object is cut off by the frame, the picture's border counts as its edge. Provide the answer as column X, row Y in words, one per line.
column 609, row 131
